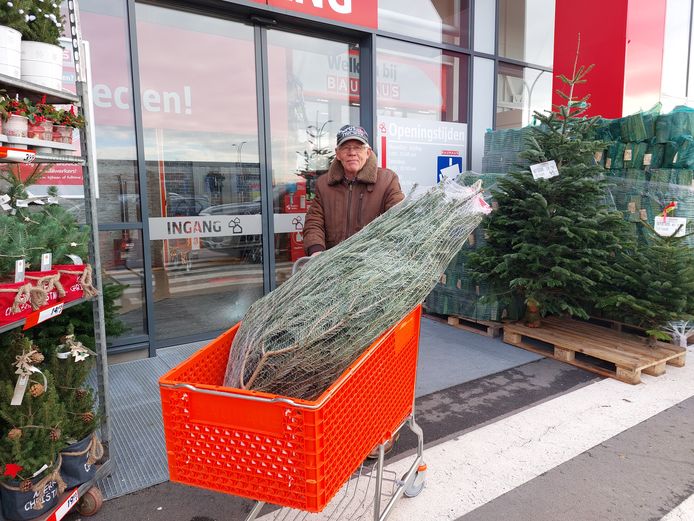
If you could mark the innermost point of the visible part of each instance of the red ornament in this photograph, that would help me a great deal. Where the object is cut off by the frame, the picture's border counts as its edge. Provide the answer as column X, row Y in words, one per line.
column 12, row 469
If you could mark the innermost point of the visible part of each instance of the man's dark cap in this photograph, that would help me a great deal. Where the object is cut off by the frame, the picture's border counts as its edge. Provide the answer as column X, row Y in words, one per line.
column 349, row 132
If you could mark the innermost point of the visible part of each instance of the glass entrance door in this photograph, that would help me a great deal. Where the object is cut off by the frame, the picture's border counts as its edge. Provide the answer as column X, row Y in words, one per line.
column 210, row 252
column 314, row 89
column 199, row 113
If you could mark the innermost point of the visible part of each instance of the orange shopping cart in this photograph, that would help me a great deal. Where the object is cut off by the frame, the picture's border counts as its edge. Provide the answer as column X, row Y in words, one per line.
column 291, row 452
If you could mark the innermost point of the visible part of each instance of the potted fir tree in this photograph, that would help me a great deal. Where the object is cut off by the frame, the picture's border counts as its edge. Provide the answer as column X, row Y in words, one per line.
column 32, row 434
column 12, row 24
column 70, row 363
column 42, row 55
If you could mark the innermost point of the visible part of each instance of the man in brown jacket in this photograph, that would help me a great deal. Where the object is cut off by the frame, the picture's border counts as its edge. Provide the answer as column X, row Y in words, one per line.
column 352, row 194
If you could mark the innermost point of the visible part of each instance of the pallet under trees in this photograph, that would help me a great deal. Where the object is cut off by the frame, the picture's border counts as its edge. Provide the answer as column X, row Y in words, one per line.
column 595, row 348
column 481, row 327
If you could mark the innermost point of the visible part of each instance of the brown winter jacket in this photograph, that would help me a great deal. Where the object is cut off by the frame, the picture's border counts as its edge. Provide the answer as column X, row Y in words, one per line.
column 340, row 209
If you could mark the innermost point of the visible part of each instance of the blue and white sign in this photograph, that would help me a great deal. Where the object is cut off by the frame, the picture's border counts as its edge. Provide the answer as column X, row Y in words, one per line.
column 418, row 150
column 448, row 166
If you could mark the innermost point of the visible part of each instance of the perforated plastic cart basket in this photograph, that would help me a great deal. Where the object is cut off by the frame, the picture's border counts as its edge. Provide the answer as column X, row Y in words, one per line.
column 274, row 449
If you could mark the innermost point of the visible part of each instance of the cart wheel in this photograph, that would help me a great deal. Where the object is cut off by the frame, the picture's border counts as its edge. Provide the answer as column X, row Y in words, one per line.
column 418, row 484
column 90, row 503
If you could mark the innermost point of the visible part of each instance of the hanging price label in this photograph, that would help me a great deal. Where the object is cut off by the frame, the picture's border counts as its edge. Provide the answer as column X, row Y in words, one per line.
column 545, row 170
column 666, row 226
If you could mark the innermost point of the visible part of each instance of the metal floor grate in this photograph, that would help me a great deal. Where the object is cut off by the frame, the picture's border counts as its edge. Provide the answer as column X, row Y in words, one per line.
column 137, row 438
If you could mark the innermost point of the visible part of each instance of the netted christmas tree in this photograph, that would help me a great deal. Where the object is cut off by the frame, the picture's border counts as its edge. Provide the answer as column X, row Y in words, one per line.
column 298, row 339
column 653, row 284
column 552, row 241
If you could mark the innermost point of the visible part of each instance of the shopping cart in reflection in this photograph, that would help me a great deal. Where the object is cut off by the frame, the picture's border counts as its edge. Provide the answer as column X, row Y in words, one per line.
column 299, row 454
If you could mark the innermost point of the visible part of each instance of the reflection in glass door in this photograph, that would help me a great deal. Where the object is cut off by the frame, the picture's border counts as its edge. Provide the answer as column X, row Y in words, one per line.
column 314, row 90
column 199, row 110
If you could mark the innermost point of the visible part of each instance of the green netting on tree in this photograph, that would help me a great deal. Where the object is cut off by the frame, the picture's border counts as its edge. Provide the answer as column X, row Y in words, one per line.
column 298, row 339
column 654, row 155
column 615, row 155
column 642, row 199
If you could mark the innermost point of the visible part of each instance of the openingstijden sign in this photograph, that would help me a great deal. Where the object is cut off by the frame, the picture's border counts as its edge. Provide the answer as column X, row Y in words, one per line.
column 356, row 12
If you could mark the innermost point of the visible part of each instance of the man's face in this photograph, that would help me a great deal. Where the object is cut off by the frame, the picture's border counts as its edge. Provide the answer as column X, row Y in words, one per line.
column 353, row 155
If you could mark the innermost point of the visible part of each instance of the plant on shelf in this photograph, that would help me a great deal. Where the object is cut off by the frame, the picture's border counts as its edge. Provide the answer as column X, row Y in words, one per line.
column 69, row 118
column 17, row 107
column 32, row 430
column 44, row 21
column 41, row 116
column 66, row 121
column 13, row 14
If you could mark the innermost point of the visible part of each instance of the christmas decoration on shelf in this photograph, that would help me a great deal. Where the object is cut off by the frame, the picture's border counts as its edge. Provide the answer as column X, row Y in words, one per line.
column 30, row 450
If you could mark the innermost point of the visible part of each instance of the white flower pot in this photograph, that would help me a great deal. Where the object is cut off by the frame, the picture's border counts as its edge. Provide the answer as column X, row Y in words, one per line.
column 16, row 126
column 42, row 63
column 10, row 51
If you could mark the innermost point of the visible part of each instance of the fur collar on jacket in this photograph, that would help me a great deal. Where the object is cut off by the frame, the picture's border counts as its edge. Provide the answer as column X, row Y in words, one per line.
column 367, row 174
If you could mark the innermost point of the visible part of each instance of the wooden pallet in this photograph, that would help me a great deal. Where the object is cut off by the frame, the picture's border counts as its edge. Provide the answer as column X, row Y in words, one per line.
column 600, row 350
column 481, row 327
column 626, row 328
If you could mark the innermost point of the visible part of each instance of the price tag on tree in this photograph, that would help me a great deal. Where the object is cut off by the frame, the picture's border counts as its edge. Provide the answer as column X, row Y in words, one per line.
column 42, row 315
column 666, row 226
column 546, row 170
column 19, row 269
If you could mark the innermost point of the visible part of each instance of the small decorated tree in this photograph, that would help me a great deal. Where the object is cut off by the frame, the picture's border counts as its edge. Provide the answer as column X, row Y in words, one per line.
column 32, row 430
column 552, row 241
column 70, row 363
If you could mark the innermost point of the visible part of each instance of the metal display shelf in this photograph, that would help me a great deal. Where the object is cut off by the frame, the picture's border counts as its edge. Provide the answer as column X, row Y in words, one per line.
column 26, row 89
column 87, row 492
column 44, row 143
column 26, row 155
column 21, row 321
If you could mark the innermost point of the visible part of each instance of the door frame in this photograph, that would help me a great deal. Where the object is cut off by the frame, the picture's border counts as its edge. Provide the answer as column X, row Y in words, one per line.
column 262, row 18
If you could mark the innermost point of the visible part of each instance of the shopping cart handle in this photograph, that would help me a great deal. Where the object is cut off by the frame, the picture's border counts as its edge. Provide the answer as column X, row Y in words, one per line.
column 299, row 263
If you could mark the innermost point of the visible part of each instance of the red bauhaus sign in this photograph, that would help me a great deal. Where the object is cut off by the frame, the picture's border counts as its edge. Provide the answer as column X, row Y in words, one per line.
column 356, row 12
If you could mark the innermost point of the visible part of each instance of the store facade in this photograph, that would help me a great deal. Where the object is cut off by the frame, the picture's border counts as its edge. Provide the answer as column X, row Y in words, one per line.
column 204, row 175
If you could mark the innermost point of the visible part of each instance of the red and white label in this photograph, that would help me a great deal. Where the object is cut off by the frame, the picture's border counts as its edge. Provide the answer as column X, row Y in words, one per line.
column 356, row 12
column 42, row 315
column 63, row 509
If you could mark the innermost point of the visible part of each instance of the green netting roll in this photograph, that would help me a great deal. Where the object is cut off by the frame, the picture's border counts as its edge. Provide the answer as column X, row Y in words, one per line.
column 662, row 128
column 685, row 178
column 657, row 153
column 679, row 124
column 632, row 128
column 670, row 154
column 615, row 160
